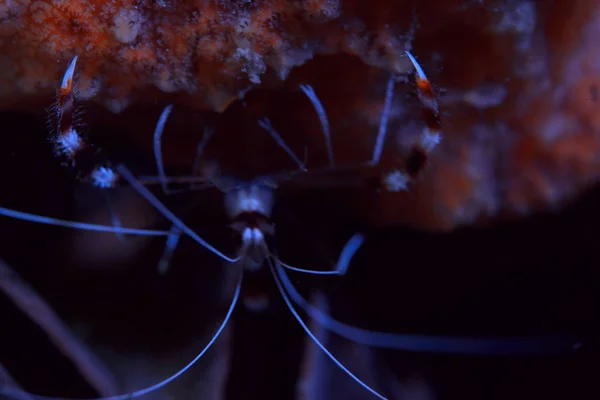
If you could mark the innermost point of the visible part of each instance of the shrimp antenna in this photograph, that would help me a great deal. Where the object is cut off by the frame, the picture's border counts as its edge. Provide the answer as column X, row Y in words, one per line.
column 145, row 193
column 383, row 122
column 312, row 96
column 22, row 395
column 552, row 344
column 346, row 255
column 170, row 246
column 40, row 219
column 314, row 338
column 196, row 166
column 266, row 125
column 158, row 131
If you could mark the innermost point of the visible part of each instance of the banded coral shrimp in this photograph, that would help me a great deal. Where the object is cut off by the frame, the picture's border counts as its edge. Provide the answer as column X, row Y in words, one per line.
column 249, row 205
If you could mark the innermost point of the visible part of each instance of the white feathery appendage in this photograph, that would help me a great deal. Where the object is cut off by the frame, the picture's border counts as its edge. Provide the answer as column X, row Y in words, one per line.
column 69, row 143
column 430, row 139
column 396, row 181
column 104, row 177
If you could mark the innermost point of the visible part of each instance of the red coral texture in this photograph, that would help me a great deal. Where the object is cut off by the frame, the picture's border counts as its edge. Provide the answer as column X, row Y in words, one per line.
column 517, row 83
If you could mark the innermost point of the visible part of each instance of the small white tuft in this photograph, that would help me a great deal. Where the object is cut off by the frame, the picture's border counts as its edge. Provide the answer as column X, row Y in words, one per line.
column 69, row 143
column 104, row 177
column 396, row 181
column 430, row 139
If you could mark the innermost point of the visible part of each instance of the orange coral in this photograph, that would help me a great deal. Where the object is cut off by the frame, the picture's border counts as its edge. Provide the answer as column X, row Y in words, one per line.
column 520, row 78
